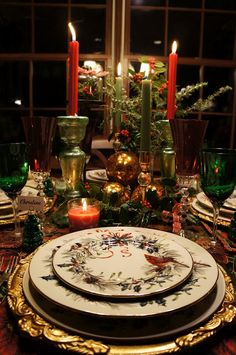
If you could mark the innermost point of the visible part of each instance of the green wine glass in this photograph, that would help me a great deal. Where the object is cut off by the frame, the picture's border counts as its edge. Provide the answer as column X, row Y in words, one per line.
column 217, row 178
column 14, row 167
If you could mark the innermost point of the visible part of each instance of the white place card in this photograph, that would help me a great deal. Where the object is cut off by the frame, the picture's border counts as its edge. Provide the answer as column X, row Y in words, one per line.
column 35, row 203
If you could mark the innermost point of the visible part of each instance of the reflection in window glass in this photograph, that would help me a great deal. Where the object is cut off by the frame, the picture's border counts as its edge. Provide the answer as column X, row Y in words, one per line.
column 147, row 32
column 91, row 26
column 49, row 84
column 15, row 30
column 185, row 3
column 220, row 4
column 51, row 29
column 218, row 131
column 184, row 27
column 14, row 89
column 219, row 32
column 216, row 78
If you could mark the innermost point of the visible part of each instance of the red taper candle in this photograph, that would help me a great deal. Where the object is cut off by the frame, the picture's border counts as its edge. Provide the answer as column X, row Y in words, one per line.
column 73, row 74
column 172, row 71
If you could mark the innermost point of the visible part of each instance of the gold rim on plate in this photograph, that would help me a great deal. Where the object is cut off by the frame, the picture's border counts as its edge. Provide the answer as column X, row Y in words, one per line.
column 33, row 325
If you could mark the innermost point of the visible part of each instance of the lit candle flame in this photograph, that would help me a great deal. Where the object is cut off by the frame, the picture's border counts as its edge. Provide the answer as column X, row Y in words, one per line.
column 119, row 69
column 84, row 205
column 72, row 30
column 174, row 47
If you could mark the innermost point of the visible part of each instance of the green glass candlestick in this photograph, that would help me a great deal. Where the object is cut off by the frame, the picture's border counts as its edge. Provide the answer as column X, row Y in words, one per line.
column 72, row 158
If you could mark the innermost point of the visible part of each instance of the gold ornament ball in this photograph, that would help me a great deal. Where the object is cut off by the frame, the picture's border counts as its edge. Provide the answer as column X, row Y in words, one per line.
column 154, row 186
column 123, row 167
column 115, row 187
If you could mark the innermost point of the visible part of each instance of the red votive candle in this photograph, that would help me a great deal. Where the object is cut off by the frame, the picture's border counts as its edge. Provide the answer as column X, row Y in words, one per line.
column 83, row 213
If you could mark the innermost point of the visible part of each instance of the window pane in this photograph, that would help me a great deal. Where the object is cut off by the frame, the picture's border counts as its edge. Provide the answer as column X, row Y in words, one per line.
column 15, row 29
column 97, row 2
column 184, row 27
column 187, row 75
column 218, row 131
column 91, row 29
column 147, row 32
column 51, row 29
column 52, row 1
column 219, row 32
column 185, row 3
column 216, row 78
column 49, row 84
column 148, row 2
column 221, row 4
column 11, row 129
column 14, row 84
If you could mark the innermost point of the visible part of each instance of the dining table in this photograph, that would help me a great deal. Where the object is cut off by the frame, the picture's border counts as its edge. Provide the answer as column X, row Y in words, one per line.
column 219, row 341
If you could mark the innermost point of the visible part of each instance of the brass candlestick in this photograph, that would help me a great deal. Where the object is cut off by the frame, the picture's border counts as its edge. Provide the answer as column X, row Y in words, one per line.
column 145, row 176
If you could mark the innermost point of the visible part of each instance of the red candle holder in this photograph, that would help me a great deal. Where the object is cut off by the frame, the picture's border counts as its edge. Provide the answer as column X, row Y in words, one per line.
column 83, row 213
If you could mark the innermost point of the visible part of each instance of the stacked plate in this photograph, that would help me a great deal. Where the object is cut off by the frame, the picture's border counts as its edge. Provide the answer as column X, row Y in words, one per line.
column 203, row 207
column 124, row 284
column 6, row 213
column 98, row 175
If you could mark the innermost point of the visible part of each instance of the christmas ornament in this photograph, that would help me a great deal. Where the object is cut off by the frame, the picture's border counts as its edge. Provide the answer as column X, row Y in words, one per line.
column 123, row 167
column 116, row 193
column 154, row 187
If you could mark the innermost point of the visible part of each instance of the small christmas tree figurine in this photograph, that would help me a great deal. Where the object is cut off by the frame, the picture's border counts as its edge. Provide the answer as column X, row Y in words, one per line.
column 32, row 233
column 232, row 229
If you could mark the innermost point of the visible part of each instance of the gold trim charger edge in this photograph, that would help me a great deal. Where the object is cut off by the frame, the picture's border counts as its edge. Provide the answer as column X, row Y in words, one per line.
column 31, row 324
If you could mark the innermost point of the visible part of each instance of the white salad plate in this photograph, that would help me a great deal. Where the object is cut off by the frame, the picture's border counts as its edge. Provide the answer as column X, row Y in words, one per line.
column 131, row 329
column 198, row 285
column 122, row 264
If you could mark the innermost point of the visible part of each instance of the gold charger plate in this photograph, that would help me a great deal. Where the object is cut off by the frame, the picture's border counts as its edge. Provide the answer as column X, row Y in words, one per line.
column 32, row 324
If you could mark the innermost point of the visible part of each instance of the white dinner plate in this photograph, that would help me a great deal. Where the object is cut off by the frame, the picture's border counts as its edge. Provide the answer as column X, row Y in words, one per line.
column 135, row 330
column 229, row 205
column 122, row 264
column 208, row 213
column 97, row 175
column 201, row 282
column 5, row 202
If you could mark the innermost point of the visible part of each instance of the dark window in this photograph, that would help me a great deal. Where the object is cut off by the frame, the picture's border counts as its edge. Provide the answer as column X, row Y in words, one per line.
column 15, row 30
column 49, row 84
column 147, row 32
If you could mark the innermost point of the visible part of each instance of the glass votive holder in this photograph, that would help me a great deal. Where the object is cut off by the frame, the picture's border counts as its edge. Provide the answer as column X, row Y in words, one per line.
column 83, row 213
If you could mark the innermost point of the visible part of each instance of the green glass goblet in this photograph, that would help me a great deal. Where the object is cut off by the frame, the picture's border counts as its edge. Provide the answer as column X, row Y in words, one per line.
column 14, row 167
column 217, row 178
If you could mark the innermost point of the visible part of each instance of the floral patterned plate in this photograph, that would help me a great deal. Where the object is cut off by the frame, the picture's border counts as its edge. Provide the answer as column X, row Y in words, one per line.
column 131, row 329
column 198, row 286
column 228, row 207
column 122, row 263
column 207, row 213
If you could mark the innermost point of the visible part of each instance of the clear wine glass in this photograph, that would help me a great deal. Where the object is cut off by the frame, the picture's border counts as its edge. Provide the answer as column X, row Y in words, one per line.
column 39, row 133
column 14, row 167
column 217, row 178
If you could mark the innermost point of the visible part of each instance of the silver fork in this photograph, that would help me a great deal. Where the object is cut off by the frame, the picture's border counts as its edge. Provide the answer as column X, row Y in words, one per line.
column 13, row 260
